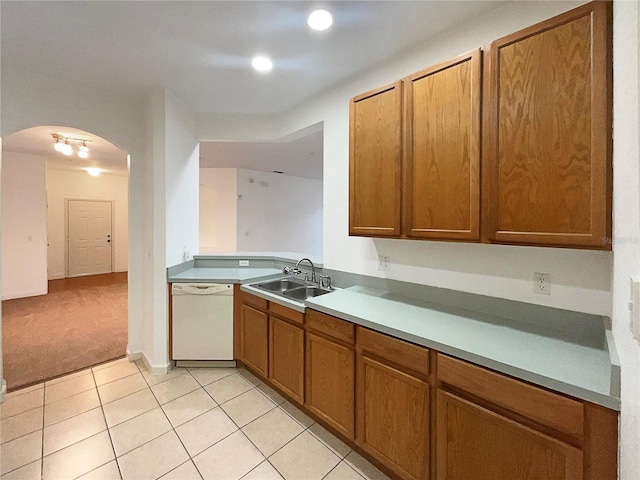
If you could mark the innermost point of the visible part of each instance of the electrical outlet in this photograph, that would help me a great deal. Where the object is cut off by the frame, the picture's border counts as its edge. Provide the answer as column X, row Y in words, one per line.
column 243, row 263
column 383, row 263
column 542, row 283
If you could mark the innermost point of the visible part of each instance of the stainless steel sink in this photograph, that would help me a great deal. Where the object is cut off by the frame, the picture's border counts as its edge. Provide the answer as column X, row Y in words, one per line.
column 303, row 293
column 281, row 285
column 293, row 289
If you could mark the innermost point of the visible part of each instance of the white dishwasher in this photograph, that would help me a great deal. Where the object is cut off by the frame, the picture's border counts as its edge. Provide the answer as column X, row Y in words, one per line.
column 202, row 322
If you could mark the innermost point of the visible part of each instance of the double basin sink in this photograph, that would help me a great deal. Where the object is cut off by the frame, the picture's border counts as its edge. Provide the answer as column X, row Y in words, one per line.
column 293, row 288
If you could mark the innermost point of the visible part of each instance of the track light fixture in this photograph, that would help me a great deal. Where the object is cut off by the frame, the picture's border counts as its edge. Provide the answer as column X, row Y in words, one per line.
column 64, row 146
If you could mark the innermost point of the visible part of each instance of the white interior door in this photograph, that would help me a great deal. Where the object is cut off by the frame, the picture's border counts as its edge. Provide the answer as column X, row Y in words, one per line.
column 89, row 237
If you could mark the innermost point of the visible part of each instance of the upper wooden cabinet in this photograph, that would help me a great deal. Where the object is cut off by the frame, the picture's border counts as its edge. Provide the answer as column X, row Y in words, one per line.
column 547, row 158
column 375, row 158
column 511, row 145
column 442, row 150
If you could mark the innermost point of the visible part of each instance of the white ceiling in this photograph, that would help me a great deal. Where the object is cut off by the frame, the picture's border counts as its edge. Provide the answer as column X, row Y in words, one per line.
column 298, row 158
column 201, row 51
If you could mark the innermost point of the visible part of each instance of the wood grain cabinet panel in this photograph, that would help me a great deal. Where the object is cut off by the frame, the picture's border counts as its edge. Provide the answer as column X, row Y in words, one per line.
column 547, row 158
column 442, row 150
column 254, row 327
column 375, row 158
column 330, row 382
column 331, row 326
column 286, row 354
column 476, row 444
column 392, row 421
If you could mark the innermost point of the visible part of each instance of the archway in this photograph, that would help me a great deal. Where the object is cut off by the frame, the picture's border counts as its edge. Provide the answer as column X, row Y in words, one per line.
column 39, row 185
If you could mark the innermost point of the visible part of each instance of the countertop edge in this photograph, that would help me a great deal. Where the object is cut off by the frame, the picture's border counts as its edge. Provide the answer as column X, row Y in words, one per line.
column 223, row 279
column 608, row 401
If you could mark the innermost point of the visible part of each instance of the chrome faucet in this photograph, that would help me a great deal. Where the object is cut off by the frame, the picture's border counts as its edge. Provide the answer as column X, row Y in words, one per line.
column 313, row 268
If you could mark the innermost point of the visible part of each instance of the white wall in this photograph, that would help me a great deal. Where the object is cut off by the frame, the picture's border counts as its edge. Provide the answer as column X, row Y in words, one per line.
column 171, row 180
column 218, row 210
column 24, row 226
column 626, row 221
column 68, row 184
column 279, row 213
column 182, row 173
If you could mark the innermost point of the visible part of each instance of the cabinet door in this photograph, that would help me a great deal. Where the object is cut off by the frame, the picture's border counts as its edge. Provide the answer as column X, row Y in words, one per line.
column 330, row 382
column 375, row 157
column 442, row 150
column 476, row 444
column 392, row 420
column 548, row 133
column 255, row 337
column 286, row 355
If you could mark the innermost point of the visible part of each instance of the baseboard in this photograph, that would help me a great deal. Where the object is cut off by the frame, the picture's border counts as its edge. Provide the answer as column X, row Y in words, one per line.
column 207, row 363
column 153, row 369
column 3, row 390
column 14, row 295
column 56, row 277
column 132, row 357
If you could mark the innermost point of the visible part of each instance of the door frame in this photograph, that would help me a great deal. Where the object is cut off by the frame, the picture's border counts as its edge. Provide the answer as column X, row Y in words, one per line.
column 66, row 231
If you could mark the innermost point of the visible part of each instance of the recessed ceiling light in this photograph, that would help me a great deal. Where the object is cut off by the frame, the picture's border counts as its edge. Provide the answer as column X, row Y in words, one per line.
column 320, row 20
column 262, row 64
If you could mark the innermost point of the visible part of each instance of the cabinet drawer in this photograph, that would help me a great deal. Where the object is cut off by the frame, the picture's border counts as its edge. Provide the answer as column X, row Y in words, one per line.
column 331, row 326
column 549, row 409
column 257, row 302
column 397, row 351
column 286, row 313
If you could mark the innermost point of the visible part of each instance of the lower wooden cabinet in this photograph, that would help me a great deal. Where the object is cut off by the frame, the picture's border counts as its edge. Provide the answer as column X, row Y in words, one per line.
column 255, row 337
column 286, row 357
column 419, row 413
column 393, row 417
column 474, row 443
column 330, row 382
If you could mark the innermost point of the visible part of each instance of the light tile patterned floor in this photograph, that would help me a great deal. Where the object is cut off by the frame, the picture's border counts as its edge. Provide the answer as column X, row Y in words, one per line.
column 117, row 421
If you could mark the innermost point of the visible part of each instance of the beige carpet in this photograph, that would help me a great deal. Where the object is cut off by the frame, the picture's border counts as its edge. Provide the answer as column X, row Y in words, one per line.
column 62, row 332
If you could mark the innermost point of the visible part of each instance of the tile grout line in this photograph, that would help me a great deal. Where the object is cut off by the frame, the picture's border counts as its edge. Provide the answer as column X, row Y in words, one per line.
column 104, row 417
column 329, row 472
column 183, row 463
column 239, row 429
column 76, row 414
column 173, row 429
column 44, row 406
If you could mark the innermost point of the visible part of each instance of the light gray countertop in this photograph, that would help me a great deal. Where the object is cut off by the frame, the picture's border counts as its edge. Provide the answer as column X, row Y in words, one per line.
column 581, row 371
column 224, row 275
